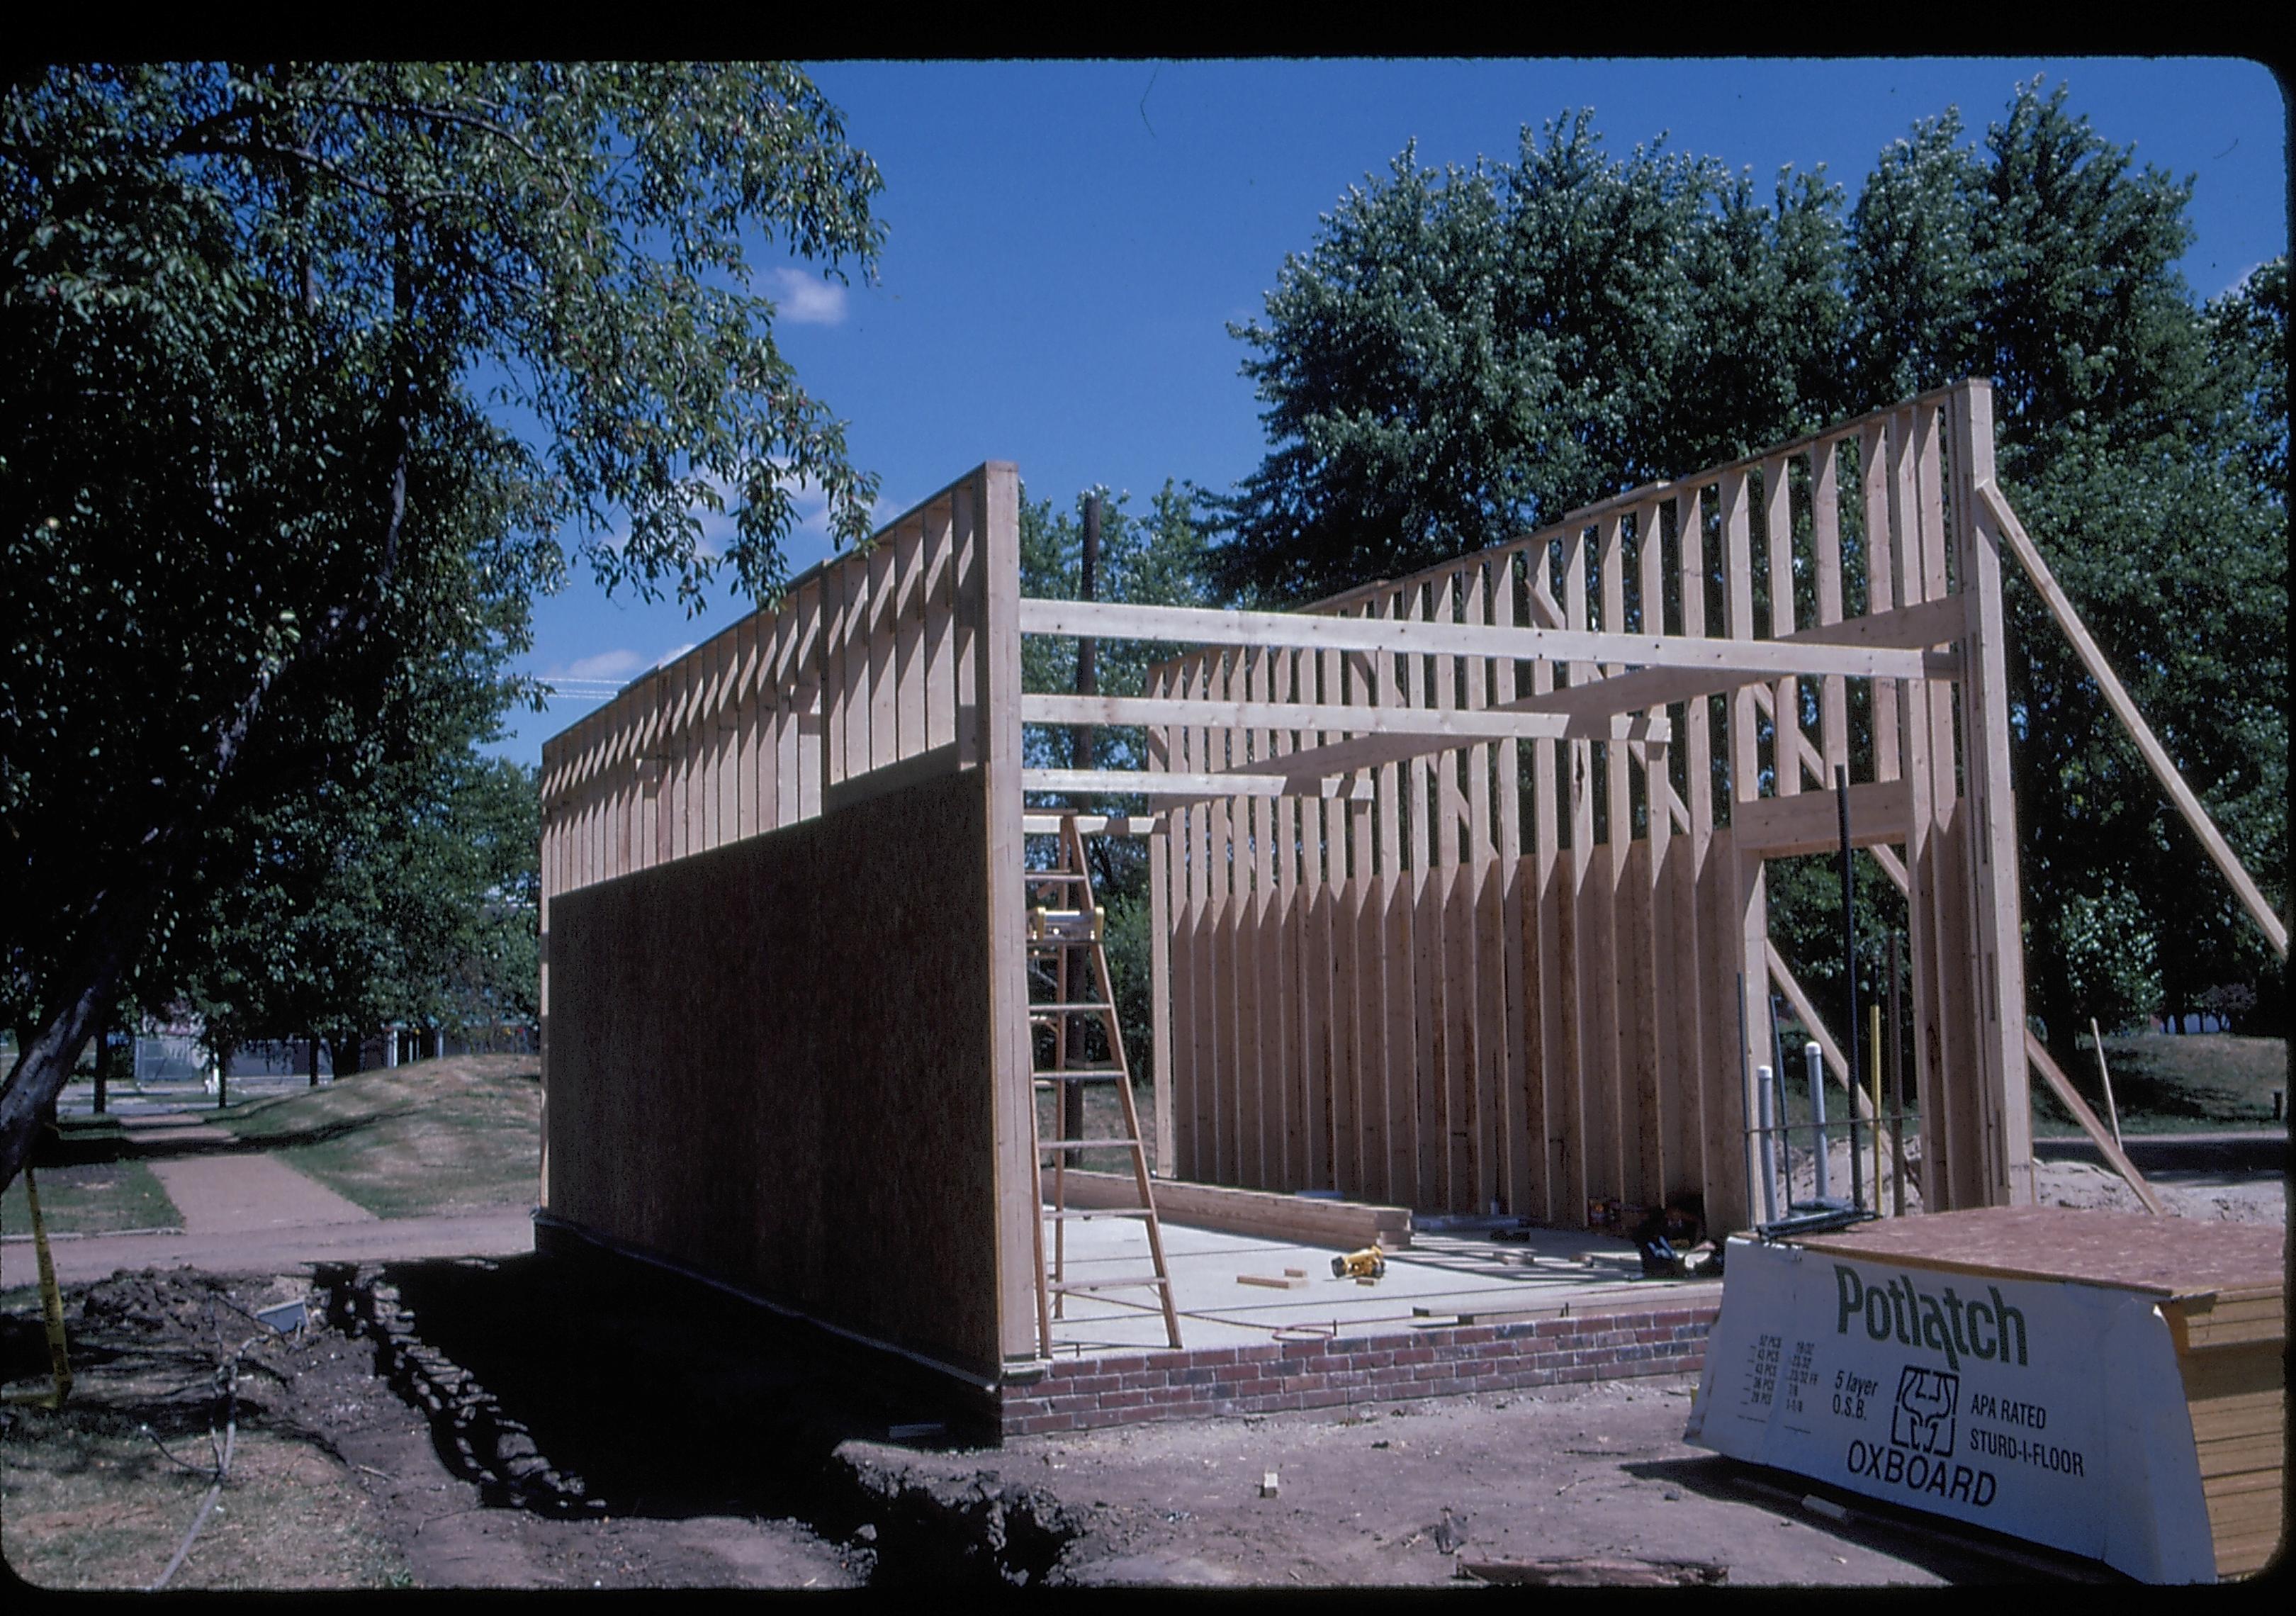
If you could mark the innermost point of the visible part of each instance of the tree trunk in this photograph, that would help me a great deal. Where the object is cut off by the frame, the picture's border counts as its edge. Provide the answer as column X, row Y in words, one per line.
column 314, row 1059
column 44, row 1061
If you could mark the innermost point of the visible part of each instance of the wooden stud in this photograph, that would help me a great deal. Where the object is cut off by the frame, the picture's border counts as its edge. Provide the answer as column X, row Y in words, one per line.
column 1826, row 549
column 1875, row 446
column 1162, row 915
column 908, row 638
column 1777, row 533
column 998, row 515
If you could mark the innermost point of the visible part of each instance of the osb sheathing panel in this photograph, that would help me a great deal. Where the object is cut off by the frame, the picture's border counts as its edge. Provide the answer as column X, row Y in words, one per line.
column 771, row 1063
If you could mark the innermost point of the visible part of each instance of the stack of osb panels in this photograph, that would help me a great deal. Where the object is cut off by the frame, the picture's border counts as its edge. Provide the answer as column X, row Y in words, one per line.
column 2231, row 1347
column 2222, row 1290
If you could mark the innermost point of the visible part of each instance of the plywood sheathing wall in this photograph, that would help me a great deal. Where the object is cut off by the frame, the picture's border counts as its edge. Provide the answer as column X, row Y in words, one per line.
column 783, row 1033
column 1518, row 971
column 712, row 1100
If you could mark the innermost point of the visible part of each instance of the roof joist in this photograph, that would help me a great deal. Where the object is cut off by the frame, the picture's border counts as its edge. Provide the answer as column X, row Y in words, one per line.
column 1867, row 653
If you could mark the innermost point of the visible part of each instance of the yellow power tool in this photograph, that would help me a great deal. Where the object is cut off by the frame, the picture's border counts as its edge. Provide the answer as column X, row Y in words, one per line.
column 1369, row 1263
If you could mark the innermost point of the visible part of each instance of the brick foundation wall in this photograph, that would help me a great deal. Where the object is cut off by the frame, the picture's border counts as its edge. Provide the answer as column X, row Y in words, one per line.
column 1212, row 1381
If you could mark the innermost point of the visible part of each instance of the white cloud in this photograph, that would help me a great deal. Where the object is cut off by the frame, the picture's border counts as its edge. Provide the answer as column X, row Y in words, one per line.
column 604, row 665
column 807, row 300
column 673, row 654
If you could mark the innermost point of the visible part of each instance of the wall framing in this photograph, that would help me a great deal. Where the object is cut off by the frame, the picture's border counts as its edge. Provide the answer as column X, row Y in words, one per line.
column 1458, row 878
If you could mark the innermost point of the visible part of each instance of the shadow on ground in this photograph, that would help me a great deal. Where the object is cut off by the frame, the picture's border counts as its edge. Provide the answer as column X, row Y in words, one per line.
column 1955, row 1552
column 99, row 1147
column 571, row 1385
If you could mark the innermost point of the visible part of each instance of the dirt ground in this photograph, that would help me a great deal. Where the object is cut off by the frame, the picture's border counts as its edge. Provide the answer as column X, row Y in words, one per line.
column 548, row 1422
column 560, row 1422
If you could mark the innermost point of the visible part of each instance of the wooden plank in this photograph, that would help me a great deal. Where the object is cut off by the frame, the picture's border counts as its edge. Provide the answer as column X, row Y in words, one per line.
column 1939, row 969
column 1221, row 952
column 1097, row 824
column 2003, row 523
column 1664, row 1144
column 1464, row 726
column 966, row 586
column 1262, row 1214
column 1206, row 626
column 2230, row 1371
column 909, row 638
column 1643, row 1123
column 1738, row 596
column 751, row 765
column 1310, row 981
column 1335, row 981
column 1777, row 536
column 1162, row 914
column 1426, row 1117
column 1826, row 554
column 1285, row 1160
column 1485, row 1125
column 680, row 742
column 1880, row 581
column 1368, row 1000
column 1781, row 827
column 1552, row 1097
column 2238, row 1415
column 1520, row 1152
column 839, row 604
column 1987, row 928
column 1255, row 1004
column 1686, row 877
column 1452, row 1075
column 799, row 735
column 940, row 622
column 725, row 726
column 1191, row 1013
column 1996, row 1145
column 866, row 690
column 1393, row 1177
column 2236, row 1455
column 1921, row 624
column 1615, row 831
column 1177, row 787
column 997, row 516
column 1663, row 487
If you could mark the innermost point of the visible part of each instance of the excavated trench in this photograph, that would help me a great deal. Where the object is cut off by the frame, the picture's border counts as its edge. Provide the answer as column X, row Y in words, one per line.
column 568, row 1387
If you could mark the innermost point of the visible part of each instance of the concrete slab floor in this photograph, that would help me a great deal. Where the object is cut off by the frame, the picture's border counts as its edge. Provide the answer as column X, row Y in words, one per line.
column 1453, row 1266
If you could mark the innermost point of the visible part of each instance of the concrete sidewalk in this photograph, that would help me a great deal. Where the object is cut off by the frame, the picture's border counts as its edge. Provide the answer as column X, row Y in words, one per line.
column 494, row 1231
column 246, row 1192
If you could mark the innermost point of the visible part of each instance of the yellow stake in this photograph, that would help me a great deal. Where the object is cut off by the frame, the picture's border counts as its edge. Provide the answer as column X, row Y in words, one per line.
column 52, row 1306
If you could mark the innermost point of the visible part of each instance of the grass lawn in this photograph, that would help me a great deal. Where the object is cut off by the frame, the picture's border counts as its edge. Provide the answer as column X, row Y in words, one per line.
column 2174, row 1084
column 93, row 1198
column 436, row 1137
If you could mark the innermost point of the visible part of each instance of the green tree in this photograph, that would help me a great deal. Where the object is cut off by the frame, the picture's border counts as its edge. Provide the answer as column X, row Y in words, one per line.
column 1464, row 355
column 1461, row 357
column 2136, row 436
column 264, row 335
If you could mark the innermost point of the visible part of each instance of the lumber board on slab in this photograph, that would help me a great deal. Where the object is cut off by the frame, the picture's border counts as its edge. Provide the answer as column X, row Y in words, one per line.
column 1344, row 1225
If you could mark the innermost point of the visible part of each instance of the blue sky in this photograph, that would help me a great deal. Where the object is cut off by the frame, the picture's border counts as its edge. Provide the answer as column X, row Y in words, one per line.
column 1068, row 243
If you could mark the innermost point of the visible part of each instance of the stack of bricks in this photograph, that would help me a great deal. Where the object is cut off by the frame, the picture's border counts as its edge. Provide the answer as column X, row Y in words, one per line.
column 1430, row 1361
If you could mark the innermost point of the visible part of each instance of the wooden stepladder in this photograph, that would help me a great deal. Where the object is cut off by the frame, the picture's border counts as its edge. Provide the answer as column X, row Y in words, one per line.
column 1067, row 959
